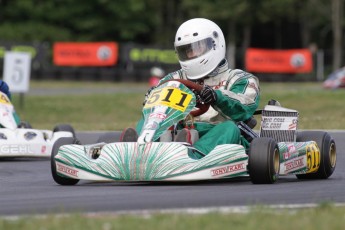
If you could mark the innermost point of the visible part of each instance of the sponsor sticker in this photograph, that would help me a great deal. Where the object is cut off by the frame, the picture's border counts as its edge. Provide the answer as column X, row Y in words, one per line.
column 279, row 123
column 43, row 149
column 294, row 164
column 67, row 170
column 229, row 169
column 160, row 116
column 291, row 151
column 16, row 149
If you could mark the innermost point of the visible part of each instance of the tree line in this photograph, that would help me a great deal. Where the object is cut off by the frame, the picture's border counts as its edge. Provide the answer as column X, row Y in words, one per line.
column 276, row 24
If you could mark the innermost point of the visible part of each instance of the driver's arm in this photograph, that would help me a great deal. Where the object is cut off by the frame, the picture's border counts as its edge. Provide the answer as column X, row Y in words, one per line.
column 239, row 100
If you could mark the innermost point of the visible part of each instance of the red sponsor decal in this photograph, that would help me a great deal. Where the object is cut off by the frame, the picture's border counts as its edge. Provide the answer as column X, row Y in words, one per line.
column 67, row 170
column 292, row 126
column 292, row 148
column 253, row 86
column 286, row 155
column 160, row 116
column 297, row 163
column 291, row 151
column 279, row 61
column 222, row 83
column 228, row 169
column 85, row 53
column 43, row 149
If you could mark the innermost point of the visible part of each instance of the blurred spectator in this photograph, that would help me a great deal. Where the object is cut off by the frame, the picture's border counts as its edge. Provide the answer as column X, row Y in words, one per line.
column 156, row 74
column 335, row 80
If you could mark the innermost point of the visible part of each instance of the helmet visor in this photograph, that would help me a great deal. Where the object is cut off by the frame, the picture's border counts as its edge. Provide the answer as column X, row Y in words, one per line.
column 194, row 50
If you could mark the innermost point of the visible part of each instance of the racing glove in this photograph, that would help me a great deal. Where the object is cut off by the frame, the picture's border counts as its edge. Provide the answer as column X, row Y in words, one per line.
column 147, row 94
column 208, row 95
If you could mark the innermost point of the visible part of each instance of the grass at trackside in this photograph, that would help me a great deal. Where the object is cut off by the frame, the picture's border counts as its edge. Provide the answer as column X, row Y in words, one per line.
column 318, row 108
column 322, row 217
column 83, row 112
column 94, row 111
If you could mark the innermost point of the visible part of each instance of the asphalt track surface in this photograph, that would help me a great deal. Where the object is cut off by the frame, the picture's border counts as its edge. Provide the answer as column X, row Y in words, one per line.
column 27, row 187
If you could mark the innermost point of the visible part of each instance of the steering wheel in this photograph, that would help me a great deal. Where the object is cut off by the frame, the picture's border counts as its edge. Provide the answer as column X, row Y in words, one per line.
column 201, row 108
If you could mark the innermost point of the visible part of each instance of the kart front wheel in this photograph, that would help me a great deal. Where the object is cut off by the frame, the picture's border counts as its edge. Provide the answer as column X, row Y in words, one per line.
column 57, row 178
column 328, row 154
column 264, row 161
column 65, row 128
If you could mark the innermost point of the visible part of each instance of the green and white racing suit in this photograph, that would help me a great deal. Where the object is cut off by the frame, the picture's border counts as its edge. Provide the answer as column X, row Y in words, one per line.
column 238, row 96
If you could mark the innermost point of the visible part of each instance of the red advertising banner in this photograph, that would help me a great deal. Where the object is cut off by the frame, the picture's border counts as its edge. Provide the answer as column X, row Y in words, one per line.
column 85, row 53
column 279, row 61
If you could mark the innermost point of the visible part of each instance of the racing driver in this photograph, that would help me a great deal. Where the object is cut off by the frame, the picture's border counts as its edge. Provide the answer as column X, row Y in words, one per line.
column 6, row 90
column 232, row 93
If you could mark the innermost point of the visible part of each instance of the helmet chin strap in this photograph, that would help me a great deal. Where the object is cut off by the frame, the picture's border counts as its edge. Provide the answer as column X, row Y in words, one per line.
column 212, row 74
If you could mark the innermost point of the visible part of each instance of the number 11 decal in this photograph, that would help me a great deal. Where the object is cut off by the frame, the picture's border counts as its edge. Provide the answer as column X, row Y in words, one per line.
column 180, row 103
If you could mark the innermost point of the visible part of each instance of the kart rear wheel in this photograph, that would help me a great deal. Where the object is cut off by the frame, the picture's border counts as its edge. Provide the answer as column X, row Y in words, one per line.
column 57, row 178
column 264, row 161
column 64, row 127
column 328, row 154
column 109, row 137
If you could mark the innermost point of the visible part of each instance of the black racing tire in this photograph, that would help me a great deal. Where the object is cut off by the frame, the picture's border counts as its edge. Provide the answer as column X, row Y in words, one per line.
column 328, row 153
column 109, row 137
column 64, row 127
column 57, row 178
column 264, row 161
column 24, row 125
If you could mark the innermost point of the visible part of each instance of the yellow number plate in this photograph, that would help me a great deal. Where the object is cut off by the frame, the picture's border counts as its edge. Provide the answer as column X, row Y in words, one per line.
column 4, row 100
column 171, row 97
column 313, row 157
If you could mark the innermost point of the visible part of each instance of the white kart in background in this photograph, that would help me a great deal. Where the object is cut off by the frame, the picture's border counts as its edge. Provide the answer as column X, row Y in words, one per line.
column 23, row 140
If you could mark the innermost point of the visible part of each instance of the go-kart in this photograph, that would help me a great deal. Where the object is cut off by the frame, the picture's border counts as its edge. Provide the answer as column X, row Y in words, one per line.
column 277, row 150
column 24, row 141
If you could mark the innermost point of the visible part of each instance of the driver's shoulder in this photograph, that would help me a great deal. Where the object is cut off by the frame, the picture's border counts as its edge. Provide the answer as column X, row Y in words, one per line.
column 236, row 75
column 178, row 74
column 239, row 73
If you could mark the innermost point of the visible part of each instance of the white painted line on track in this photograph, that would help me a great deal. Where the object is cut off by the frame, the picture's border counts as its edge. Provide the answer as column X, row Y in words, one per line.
column 224, row 209
column 192, row 211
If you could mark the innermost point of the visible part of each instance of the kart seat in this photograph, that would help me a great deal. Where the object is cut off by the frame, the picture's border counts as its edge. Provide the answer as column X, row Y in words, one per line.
column 246, row 127
column 187, row 135
column 251, row 122
column 166, row 136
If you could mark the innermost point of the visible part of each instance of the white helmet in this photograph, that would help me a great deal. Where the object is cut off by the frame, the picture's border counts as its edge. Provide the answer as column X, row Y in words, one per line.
column 200, row 47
